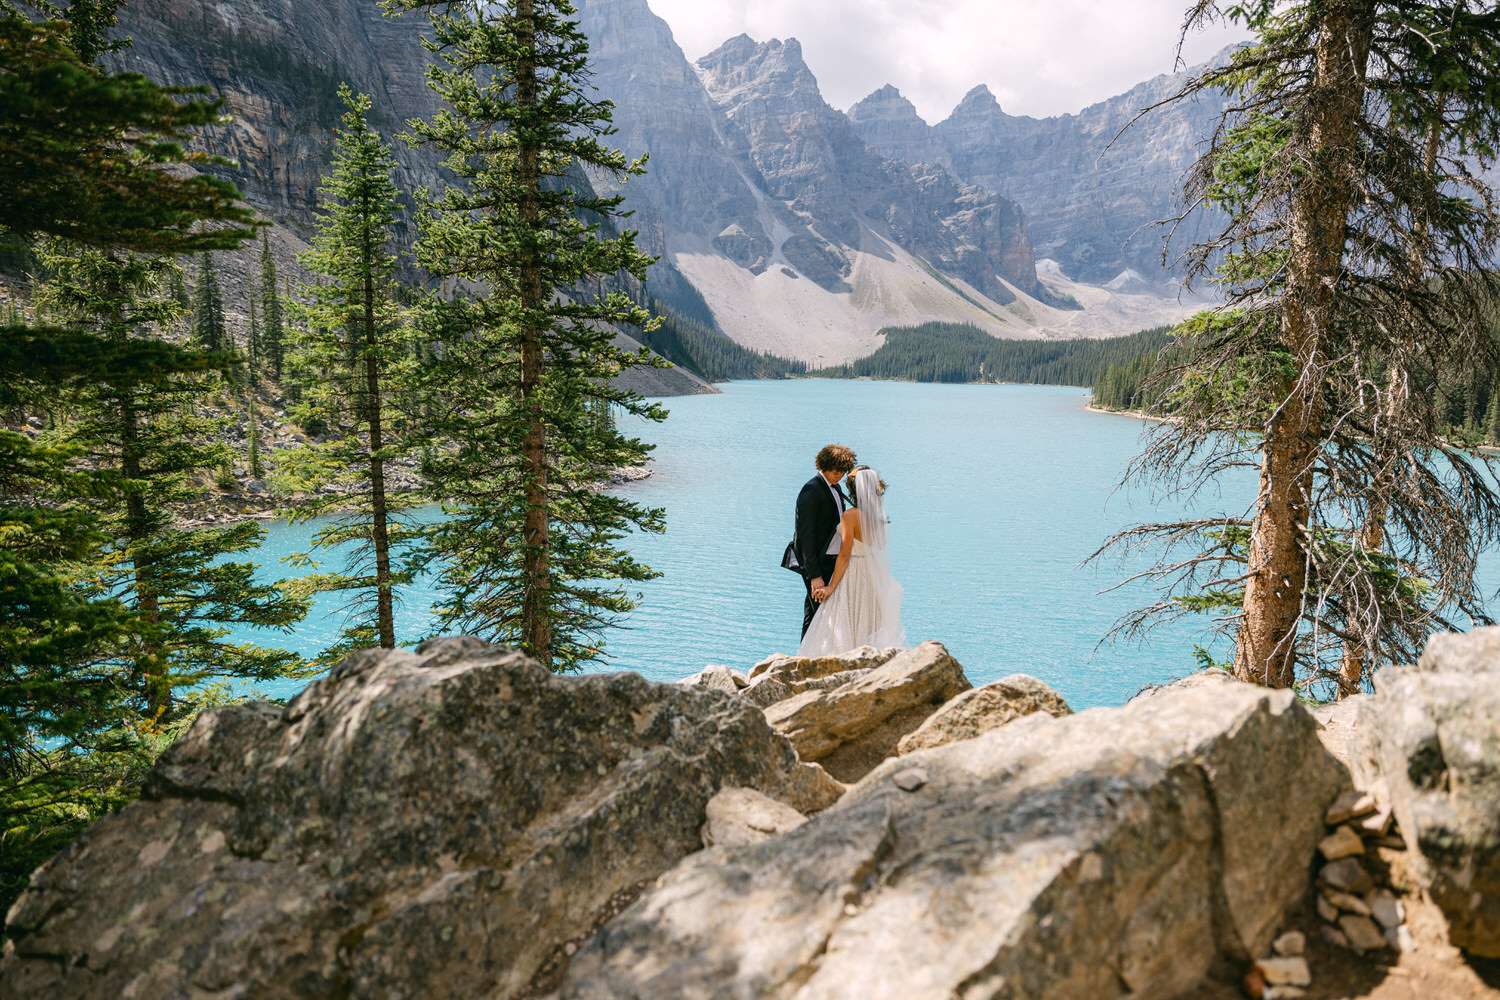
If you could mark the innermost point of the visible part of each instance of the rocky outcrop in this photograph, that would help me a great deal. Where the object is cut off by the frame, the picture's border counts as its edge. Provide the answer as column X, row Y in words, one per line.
column 853, row 726
column 780, row 677
column 1430, row 733
column 441, row 823
column 1113, row 852
column 981, row 709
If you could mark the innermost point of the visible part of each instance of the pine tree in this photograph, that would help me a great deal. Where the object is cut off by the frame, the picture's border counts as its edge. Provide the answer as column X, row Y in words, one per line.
column 1357, row 265
column 254, row 348
column 83, row 152
column 272, row 328
column 530, row 540
column 144, row 428
column 355, row 360
column 208, row 307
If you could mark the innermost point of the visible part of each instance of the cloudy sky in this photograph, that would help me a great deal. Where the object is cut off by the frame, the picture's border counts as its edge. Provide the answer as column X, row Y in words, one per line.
column 1039, row 57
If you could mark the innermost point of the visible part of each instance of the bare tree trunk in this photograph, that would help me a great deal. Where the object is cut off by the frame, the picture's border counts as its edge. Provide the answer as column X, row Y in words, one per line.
column 1280, row 533
column 536, row 568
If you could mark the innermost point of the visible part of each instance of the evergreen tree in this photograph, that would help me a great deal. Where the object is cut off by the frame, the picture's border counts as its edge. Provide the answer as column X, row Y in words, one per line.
column 355, row 364
column 272, row 328
column 81, row 153
column 146, row 431
column 530, row 540
column 1356, row 272
column 208, row 307
column 254, row 348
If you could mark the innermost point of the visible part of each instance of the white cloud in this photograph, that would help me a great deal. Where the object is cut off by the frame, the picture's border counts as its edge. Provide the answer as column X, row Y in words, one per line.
column 1040, row 57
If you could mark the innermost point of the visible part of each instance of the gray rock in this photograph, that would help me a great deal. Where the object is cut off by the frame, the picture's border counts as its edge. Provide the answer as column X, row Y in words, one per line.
column 1430, row 729
column 766, row 691
column 780, row 677
column 1108, row 853
column 795, row 670
column 1386, row 908
column 1290, row 943
column 1361, row 932
column 716, row 677
column 428, row 824
column 1346, row 875
column 809, row 789
column 984, row 708
column 856, row 725
column 1061, row 169
column 740, row 816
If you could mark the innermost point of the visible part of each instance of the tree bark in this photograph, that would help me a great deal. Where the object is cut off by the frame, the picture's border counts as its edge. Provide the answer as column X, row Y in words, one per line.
column 379, row 536
column 536, row 598
column 1280, row 534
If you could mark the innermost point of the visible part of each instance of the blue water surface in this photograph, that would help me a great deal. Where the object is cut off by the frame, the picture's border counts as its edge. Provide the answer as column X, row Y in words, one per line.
column 997, row 494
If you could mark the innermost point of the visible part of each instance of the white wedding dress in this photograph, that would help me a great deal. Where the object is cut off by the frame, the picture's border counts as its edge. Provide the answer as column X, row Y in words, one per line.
column 865, row 608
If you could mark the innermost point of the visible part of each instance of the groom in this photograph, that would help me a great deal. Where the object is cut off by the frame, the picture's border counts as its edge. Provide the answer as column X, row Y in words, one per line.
column 814, row 548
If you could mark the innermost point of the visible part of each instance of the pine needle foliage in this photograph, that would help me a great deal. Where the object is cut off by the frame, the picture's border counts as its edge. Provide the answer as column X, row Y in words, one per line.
column 355, row 359
column 1357, row 268
column 81, row 158
column 531, row 553
column 208, row 326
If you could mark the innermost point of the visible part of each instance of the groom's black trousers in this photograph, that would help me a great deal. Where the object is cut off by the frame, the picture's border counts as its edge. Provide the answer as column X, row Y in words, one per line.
column 810, row 606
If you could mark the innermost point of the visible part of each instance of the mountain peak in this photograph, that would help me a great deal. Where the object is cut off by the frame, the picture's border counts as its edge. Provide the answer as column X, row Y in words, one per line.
column 978, row 99
column 886, row 104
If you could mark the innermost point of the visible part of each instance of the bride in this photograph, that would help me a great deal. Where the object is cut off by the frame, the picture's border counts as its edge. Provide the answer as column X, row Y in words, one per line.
column 861, row 606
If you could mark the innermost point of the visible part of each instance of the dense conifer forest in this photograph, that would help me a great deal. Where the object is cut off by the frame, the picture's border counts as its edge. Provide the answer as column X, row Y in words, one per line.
column 959, row 352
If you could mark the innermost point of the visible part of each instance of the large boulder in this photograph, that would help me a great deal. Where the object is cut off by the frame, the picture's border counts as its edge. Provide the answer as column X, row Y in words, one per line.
column 1433, row 736
column 444, row 823
column 779, row 677
column 1110, row 853
column 853, row 727
column 984, row 708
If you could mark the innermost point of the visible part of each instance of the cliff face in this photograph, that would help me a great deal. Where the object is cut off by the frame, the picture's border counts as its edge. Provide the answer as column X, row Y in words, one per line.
column 1091, row 191
column 831, row 188
column 774, row 219
column 278, row 64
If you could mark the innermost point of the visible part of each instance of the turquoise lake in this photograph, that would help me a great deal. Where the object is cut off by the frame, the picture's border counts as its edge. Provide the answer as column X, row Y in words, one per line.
column 997, row 494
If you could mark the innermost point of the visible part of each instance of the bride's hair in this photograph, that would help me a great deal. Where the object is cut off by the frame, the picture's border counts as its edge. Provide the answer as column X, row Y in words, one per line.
column 853, row 477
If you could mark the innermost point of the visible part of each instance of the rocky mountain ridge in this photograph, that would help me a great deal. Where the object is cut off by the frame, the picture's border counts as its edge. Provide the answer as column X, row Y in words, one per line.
column 1093, row 184
column 776, row 221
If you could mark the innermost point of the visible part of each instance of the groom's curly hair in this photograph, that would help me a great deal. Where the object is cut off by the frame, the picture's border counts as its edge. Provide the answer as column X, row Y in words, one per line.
column 835, row 458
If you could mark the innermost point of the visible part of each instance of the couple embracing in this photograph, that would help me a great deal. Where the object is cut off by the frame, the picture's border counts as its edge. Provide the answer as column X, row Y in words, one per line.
column 839, row 546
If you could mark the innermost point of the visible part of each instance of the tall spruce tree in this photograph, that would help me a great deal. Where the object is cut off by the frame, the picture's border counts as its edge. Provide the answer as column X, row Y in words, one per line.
column 272, row 332
column 146, row 430
column 354, row 362
column 208, row 328
column 1357, row 265
column 531, row 545
column 81, row 153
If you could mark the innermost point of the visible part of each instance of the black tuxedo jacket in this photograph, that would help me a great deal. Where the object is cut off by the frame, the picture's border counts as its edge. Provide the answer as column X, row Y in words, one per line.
column 817, row 521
